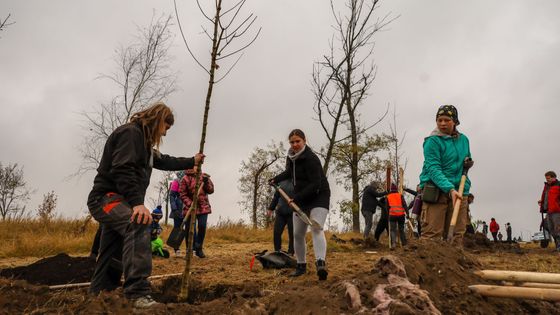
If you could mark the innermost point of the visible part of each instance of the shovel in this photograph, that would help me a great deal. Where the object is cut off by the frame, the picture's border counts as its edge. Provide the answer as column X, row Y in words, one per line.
column 312, row 223
column 457, row 205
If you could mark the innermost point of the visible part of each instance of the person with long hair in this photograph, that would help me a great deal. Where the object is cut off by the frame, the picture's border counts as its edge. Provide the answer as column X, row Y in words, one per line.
column 116, row 201
column 312, row 195
column 446, row 154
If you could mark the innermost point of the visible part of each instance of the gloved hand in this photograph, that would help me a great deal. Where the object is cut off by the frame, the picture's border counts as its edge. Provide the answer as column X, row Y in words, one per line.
column 468, row 163
column 413, row 216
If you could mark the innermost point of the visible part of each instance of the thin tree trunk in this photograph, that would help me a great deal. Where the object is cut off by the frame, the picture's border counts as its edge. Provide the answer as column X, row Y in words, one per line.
column 185, row 284
column 255, row 195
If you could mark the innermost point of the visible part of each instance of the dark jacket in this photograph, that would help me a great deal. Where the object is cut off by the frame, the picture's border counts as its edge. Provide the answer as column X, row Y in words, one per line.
column 278, row 203
column 126, row 166
column 369, row 198
column 311, row 188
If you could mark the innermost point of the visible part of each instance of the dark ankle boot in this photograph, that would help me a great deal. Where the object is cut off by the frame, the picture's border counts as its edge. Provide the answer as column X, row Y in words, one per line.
column 322, row 272
column 199, row 253
column 300, row 270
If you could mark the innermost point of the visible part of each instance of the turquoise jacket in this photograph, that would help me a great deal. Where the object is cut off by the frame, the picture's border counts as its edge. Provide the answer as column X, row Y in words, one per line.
column 443, row 161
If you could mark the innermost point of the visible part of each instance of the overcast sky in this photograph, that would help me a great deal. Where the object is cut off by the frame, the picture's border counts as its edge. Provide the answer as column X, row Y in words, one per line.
column 497, row 61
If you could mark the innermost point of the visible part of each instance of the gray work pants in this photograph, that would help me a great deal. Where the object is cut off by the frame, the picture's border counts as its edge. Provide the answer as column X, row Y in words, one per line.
column 121, row 238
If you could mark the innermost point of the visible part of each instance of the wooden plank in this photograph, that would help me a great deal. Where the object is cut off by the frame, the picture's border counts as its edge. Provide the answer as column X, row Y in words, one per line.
column 541, row 294
column 519, row 276
column 86, row 284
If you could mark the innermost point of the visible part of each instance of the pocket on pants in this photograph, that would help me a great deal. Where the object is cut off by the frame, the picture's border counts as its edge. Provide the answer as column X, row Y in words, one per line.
column 111, row 208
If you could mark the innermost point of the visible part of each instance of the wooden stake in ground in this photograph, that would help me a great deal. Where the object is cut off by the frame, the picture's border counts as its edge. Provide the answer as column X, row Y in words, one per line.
column 552, row 295
column 457, row 205
column 532, row 285
column 519, row 276
column 87, row 284
column 223, row 35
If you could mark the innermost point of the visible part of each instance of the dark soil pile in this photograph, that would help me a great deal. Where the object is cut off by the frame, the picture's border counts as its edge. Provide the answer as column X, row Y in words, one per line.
column 478, row 242
column 59, row 269
column 446, row 272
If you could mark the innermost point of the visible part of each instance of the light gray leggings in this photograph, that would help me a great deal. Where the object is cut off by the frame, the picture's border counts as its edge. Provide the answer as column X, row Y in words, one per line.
column 319, row 241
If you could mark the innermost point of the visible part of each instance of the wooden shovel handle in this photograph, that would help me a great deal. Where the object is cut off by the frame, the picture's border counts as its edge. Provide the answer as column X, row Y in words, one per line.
column 456, row 209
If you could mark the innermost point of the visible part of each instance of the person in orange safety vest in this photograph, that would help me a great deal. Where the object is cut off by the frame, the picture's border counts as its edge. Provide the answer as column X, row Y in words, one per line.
column 397, row 215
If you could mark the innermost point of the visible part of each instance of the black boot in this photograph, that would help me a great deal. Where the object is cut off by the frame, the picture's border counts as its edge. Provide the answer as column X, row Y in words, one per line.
column 300, row 270
column 322, row 272
column 199, row 253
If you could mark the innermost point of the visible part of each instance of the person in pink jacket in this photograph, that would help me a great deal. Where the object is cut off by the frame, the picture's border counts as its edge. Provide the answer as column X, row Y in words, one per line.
column 186, row 191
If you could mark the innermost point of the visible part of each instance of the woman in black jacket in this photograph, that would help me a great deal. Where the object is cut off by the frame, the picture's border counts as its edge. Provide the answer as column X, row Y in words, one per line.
column 312, row 195
column 116, row 201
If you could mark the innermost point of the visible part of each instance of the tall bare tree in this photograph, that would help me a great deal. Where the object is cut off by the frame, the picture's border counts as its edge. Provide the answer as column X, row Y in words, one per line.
column 142, row 77
column 14, row 192
column 395, row 153
column 350, row 73
column 256, row 194
column 226, row 30
column 5, row 23
column 371, row 160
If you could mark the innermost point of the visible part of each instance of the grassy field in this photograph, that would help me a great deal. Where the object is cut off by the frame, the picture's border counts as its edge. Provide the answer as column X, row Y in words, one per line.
column 33, row 238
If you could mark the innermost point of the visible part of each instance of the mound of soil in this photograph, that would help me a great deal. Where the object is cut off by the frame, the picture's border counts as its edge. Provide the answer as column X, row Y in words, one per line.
column 478, row 242
column 59, row 269
column 446, row 272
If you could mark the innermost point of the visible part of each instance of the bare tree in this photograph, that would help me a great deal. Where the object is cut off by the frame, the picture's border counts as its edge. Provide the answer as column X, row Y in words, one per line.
column 256, row 194
column 395, row 152
column 142, row 77
column 162, row 190
column 14, row 192
column 47, row 208
column 370, row 167
column 350, row 74
column 226, row 30
column 4, row 23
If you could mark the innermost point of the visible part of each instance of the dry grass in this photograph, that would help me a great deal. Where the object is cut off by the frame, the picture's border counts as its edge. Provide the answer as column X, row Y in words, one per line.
column 33, row 238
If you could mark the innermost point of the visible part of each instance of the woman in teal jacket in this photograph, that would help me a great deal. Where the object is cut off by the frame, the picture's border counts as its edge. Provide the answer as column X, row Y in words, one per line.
column 445, row 155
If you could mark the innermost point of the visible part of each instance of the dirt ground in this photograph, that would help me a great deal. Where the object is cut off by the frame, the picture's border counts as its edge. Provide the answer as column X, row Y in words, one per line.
column 223, row 283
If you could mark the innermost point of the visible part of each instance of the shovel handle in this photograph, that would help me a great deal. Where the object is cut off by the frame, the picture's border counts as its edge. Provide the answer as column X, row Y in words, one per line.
column 314, row 224
column 456, row 209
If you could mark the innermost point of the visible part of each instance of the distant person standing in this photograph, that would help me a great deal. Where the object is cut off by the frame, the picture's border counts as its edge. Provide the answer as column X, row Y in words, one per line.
column 494, row 228
column 187, row 188
column 550, row 204
column 383, row 223
column 283, row 216
column 416, row 207
column 508, row 233
column 176, row 207
column 446, row 154
column 397, row 216
column 484, row 228
column 370, row 201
